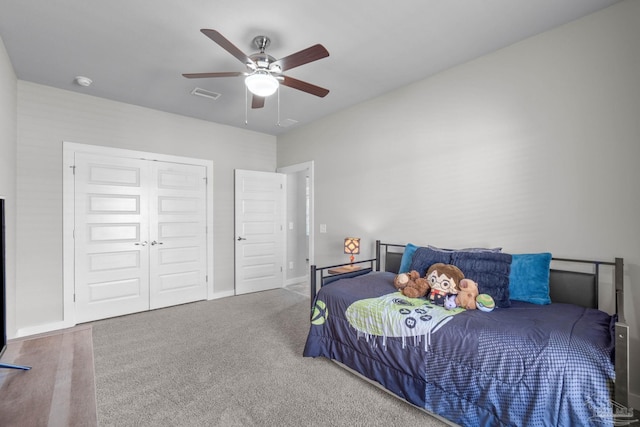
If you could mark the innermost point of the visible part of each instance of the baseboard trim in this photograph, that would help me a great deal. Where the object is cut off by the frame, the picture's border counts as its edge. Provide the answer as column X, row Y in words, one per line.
column 42, row 329
column 53, row 332
column 296, row 280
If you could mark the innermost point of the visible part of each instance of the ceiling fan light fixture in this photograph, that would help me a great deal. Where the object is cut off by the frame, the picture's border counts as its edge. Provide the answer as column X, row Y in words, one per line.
column 261, row 83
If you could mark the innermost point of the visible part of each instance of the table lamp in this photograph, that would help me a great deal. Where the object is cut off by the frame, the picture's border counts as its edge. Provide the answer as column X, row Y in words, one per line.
column 352, row 247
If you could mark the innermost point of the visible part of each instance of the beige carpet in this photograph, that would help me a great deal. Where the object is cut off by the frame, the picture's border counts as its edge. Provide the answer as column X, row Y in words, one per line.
column 59, row 390
column 235, row 361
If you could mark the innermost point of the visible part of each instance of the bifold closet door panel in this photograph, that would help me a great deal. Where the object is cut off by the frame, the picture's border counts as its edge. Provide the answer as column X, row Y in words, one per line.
column 178, row 230
column 111, row 236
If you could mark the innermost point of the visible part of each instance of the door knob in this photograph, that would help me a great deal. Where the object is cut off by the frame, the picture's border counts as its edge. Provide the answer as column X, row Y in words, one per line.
column 141, row 243
column 241, row 238
column 156, row 243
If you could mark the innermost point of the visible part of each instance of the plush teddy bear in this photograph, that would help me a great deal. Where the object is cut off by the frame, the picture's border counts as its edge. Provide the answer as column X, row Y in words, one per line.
column 411, row 284
column 443, row 279
column 467, row 294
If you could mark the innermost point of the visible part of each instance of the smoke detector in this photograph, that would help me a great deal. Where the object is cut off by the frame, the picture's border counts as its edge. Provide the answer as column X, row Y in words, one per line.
column 83, row 81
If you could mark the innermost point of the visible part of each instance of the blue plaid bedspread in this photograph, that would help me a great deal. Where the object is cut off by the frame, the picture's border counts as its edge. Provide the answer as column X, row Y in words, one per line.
column 527, row 365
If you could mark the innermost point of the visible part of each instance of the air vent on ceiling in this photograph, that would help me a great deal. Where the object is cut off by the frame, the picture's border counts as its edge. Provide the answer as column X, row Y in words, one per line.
column 287, row 122
column 205, row 93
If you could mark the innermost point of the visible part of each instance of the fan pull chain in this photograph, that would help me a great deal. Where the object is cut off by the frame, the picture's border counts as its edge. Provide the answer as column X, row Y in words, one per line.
column 278, row 123
column 246, row 106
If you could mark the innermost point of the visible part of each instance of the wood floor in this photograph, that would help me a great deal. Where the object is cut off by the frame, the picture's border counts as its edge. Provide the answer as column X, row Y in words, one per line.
column 59, row 389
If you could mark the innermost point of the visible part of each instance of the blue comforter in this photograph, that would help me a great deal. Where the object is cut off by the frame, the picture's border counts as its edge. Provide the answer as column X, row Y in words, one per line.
column 523, row 365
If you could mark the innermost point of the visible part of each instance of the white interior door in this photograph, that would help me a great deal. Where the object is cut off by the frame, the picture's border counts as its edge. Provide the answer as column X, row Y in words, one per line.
column 111, row 237
column 140, row 235
column 178, row 230
column 259, row 226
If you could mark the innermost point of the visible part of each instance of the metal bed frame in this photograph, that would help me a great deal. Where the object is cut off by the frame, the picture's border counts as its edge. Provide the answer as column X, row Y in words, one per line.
column 565, row 286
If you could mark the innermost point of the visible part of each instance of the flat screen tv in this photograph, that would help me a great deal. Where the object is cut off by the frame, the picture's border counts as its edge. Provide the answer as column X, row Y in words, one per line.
column 3, row 295
column 3, row 314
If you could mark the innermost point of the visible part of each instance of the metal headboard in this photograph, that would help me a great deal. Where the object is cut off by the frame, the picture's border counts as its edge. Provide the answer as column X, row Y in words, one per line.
column 565, row 286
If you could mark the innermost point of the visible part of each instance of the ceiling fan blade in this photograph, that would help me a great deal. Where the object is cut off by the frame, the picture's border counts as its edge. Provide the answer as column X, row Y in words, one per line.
column 304, row 86
column 227, row 45
column 305, row 56
column 207, row 75
column 257, row 101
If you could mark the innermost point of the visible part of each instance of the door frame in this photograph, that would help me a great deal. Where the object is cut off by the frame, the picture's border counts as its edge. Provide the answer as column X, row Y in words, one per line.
column 292, row 169
column 69, row 149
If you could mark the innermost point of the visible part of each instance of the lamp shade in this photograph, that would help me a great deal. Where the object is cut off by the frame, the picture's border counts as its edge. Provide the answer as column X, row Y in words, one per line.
column 352, row 245
column 261, row 83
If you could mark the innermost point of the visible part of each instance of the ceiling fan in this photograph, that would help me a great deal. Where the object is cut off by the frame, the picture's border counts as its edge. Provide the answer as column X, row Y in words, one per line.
column 264, row 72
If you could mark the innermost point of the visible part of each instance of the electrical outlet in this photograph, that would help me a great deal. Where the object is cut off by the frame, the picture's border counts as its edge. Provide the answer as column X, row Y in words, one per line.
column 323, row 228
column 290, row 265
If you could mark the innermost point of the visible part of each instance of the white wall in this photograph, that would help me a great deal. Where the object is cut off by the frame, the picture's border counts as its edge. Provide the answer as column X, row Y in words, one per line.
column 47, row 117
column 532, row 148
column 8, row 102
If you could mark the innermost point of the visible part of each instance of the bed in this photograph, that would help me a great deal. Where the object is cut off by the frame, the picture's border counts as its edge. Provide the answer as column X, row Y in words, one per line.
column 528, row 362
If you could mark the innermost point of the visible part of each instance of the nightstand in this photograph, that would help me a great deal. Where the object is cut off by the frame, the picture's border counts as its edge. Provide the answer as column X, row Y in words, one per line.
column 345, row 269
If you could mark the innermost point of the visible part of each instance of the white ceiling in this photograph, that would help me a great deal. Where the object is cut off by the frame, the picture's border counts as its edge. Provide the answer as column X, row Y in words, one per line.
column 136, row 50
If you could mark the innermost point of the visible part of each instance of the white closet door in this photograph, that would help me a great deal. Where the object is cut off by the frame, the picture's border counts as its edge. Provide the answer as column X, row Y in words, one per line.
column 178, row 248
column 140, row 235
column 111, row 237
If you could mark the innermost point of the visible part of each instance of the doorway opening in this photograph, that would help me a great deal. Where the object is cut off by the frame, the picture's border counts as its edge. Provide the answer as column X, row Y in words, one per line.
column 299, row 226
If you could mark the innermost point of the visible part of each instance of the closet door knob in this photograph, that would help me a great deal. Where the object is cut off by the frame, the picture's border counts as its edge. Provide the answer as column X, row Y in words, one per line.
column 241, row 238
column 141, row 243
column 156, row 243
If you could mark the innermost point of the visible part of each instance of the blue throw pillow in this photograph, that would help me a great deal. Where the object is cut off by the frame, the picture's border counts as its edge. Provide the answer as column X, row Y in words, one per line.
column 407, row 257
column 424, row 258
column 529, row 278
column 490, row 270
